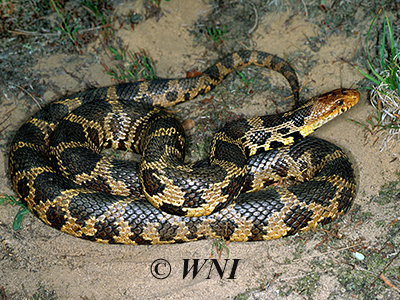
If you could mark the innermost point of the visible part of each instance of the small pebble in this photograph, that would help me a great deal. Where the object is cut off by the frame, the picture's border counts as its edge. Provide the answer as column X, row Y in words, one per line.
column 188, row 124
column 358, row 256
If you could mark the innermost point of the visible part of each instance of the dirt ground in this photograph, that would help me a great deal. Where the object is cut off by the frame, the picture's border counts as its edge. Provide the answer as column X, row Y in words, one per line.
column 356, row 257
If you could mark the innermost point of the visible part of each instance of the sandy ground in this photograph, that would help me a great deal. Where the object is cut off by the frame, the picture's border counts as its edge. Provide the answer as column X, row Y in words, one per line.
column 37, row 257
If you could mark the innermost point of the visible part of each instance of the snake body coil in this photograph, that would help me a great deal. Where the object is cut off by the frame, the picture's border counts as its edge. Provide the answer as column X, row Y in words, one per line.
column 57, row 170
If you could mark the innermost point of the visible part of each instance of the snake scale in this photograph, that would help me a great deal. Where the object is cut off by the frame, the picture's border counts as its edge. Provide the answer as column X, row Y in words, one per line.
column 56, row 167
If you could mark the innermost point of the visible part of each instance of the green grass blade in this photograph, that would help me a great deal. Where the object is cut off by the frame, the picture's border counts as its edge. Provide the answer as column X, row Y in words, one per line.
column 375, row 81
column 391, row 39
column 19, row 218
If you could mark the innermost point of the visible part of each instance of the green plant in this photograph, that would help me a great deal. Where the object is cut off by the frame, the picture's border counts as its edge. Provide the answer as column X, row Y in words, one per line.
column 244, row 80
column 139, row 67
column 118, row 55
column 105, row 29
column 219, row 245
column 95, row 11
column 23, row 210
column 385, row 95
column 81, row 21
column 388, row 59
column 215, row 34
column 69, row 26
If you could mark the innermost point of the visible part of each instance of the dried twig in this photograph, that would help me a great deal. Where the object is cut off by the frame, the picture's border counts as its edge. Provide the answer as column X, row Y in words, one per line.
column 34, row 99
column 256, row 21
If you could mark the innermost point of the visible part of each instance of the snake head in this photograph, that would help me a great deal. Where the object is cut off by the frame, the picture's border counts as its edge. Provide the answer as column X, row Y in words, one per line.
column 327, row 106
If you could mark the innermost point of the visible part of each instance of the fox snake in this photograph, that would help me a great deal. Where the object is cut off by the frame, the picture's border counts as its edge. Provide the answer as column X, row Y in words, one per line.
column 56, row 167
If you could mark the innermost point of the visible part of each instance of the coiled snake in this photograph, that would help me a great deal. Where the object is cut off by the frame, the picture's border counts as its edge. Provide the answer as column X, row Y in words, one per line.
column 57, row 170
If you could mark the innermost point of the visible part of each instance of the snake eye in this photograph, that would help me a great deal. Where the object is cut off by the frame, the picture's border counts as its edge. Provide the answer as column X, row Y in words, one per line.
column 339, row 102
